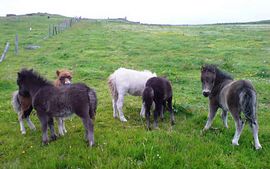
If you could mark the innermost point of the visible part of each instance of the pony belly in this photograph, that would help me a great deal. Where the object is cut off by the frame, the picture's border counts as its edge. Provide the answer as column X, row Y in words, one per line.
column 63, row 113
column 223, row 96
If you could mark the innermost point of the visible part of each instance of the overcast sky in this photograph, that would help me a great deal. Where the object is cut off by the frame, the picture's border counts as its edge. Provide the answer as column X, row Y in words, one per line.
column 148, row 11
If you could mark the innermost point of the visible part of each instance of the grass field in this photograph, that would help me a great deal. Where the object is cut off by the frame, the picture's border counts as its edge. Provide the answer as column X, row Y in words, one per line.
column 93, row 50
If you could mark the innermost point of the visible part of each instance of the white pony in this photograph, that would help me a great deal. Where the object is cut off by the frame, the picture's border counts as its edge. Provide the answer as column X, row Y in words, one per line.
column 129, row 81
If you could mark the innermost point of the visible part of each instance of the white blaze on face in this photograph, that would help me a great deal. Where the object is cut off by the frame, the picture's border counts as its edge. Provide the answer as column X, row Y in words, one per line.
column 206, row 90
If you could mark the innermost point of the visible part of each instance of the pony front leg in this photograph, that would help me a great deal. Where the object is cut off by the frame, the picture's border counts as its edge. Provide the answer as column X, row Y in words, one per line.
column 225, row 118
column 119, row 104
column 212, row 112
column 44, row 127
column 51, row 125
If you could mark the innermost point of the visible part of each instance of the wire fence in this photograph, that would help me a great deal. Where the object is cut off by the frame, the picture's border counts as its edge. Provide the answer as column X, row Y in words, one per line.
column 53, row 30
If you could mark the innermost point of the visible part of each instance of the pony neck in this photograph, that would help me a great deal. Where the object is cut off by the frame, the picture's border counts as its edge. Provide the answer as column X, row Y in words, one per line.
column 34, row 87
column 221, row 80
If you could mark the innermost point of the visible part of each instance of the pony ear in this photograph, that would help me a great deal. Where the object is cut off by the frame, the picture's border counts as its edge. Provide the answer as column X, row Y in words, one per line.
column 57, row 72
column 31, row 70
column 202, row 68
column 19, row 74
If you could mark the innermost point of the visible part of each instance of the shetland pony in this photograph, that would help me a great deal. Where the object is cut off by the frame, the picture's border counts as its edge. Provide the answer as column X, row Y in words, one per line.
column 159, row 91
column 231, row 95
column 23, row 105
column 124, row 81
column 64, row 77
column 50, row 101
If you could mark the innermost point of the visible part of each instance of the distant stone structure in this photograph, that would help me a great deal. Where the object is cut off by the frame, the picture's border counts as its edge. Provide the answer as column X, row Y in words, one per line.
column 9, row 15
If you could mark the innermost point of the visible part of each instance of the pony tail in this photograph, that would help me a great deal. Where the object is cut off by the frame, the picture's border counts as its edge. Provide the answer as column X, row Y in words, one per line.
column 93, row 103
column 112, row 86
column 15, row 102
column 248, row 105
column 148, row 97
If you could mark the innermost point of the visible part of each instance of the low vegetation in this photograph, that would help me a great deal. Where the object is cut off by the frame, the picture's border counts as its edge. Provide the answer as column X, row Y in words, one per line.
column 93, row 49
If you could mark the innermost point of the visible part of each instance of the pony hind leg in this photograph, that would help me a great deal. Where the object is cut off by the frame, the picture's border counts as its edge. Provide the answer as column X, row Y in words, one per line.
column 147, row 114
column 142, row 113
column 60, row 126
column 89, row 130
column 224, row 117
column 157, row 112
column 115, row 113
column 120, row 102
column 20, row 118
column 171, row 111
column 29, row 122
column 63, row 123
column 254, row 126
column 239, row 125
column 163, row 109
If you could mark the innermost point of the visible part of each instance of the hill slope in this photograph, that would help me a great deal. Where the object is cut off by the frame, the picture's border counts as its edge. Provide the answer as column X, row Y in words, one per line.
column 93, row 50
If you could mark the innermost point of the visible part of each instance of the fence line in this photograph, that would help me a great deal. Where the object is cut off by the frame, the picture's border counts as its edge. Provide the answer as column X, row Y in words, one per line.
column 16, row 44
column 53, row 30
column 5, row 52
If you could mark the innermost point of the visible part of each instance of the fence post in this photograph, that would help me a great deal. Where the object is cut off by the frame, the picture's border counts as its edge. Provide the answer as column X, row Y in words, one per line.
column 49, row 30
column 53, row 30
column 5, row 52
column 16, row 44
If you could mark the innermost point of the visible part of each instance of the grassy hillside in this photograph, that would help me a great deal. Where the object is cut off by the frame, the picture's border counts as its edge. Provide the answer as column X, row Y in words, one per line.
column 93, row 50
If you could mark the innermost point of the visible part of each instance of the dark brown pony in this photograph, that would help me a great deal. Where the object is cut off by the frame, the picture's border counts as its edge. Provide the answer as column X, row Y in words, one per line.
column 23, row 105
column 50, row 101
column 231, row 95
column 159, row 91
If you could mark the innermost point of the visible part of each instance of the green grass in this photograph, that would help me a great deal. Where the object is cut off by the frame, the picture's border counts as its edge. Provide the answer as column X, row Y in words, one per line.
column 93, row 50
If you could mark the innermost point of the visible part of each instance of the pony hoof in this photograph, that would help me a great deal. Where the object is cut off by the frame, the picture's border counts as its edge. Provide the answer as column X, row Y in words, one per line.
column 123, row 119
column 91, row 144
column 258, row 147
column 53, row 138
column 235, row 143
column 45, row 143
column 156, row 128
column 173, row 123
column 23, row 132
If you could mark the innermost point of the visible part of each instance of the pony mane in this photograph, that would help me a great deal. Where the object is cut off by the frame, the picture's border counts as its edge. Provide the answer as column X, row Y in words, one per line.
column 33, row 76
column 219, row 74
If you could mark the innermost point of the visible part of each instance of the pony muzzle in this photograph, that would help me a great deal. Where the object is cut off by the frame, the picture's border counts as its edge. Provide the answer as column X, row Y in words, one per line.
column 67, row 82
column 206, row 92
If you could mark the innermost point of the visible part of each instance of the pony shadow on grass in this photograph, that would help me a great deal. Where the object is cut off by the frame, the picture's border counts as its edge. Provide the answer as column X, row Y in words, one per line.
column 182, row 111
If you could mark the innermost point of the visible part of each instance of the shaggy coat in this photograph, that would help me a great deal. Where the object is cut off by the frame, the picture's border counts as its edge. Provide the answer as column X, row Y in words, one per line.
column 231, row 95
column 124, row 81
column 50, row 101
column 159, row 91
column 23, row 105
